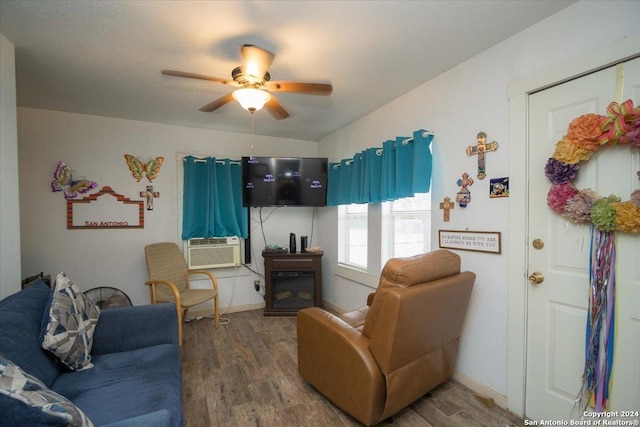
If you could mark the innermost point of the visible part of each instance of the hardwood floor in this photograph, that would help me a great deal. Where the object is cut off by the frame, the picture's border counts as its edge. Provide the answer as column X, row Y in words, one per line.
column 246, row 374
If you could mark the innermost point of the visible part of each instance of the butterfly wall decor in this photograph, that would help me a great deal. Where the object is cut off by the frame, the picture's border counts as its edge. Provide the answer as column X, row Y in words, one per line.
column 63, row 180
column 139, row 168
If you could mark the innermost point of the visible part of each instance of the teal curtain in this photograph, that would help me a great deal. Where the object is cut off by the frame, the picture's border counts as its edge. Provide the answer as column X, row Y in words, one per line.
column 212, row 199
column 400, row 168
column 373, row 184
column 388, row 171
column 422, row 161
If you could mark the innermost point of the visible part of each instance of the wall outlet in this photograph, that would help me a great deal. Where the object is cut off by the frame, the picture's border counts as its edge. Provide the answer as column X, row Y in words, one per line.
column 256, row 285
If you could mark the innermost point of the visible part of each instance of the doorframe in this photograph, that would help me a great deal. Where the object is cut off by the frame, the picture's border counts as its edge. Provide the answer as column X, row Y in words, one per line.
column 518, row 93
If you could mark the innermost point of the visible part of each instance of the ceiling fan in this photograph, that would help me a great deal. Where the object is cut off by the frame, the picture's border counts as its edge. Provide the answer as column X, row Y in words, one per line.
column 254, row 84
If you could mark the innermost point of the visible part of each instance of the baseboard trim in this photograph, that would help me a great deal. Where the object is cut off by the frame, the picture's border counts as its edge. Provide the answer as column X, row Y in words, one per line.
column 480, row 389
column 227, row 310
column 333, row 308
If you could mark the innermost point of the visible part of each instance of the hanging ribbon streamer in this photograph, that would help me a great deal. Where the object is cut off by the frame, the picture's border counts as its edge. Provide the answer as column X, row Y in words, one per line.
column 600, row 322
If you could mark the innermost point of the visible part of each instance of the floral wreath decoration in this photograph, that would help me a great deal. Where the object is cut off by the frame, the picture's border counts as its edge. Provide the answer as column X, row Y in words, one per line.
column 586, row 135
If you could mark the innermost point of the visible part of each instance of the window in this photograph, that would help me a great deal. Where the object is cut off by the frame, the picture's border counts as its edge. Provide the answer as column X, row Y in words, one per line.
column 352, row 232
column 370, row 234
column 406, row 227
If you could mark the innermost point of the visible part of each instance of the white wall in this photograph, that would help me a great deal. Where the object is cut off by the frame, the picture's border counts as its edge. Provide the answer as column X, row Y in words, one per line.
column 94, row 147
column 9, row 207
column 457, row 105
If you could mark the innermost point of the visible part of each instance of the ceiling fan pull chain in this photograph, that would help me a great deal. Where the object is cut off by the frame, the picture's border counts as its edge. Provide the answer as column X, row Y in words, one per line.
column 252, row 146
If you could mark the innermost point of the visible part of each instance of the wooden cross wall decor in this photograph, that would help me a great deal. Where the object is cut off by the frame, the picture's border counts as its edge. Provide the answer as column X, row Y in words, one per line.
column 446, row 206
column 480, row 149
column 149, row 195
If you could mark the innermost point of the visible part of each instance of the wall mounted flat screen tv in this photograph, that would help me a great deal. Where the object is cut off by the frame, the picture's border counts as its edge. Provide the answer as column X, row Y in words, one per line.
column 284, row 181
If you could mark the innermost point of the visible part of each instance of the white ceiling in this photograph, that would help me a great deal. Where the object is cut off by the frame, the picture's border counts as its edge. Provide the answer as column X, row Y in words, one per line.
column 104, row 57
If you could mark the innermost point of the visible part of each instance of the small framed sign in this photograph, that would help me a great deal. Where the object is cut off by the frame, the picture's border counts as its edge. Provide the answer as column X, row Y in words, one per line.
column 95, row 212
column 478, row 241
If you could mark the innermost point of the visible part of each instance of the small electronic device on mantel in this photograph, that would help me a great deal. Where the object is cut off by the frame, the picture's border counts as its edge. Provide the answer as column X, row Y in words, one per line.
column 292, row 243
column 274, row 249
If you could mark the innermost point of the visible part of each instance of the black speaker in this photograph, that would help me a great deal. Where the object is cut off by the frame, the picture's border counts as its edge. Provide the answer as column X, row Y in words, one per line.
column 292, row 243
column 303, row 244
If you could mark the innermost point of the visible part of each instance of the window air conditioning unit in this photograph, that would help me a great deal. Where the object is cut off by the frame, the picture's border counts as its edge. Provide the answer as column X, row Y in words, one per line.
column 215, row 252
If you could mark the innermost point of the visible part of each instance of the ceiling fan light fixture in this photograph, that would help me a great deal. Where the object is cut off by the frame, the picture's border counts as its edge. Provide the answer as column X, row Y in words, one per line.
column 251, row 99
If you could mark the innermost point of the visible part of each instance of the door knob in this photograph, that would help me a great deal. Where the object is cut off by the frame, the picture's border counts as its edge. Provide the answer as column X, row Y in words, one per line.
column 536, row 278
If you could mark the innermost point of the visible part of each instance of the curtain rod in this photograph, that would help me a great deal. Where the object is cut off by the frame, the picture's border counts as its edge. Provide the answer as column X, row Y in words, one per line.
column 220, row 162
column 380, row 150
column 424, row 133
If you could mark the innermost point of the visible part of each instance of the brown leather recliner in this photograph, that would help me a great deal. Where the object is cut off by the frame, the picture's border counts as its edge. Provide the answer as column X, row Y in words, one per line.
column 377, row 360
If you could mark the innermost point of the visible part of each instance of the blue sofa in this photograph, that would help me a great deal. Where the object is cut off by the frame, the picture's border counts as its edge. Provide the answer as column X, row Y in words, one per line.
column 136, row 377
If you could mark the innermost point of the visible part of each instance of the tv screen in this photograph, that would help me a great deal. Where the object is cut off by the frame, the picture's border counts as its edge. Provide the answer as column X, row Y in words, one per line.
column 284, row 181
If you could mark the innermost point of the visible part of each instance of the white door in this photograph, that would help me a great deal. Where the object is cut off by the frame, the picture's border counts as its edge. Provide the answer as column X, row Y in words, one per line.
column 557, row 307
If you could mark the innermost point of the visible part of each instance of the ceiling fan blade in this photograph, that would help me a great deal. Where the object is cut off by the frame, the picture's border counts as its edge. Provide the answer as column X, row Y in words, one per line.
column 212, row 106
column 198, row 76
column 276, row 110
column 256, row 60
column 304, row 88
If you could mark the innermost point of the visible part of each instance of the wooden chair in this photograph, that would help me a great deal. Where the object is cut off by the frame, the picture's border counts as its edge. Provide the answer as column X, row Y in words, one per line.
column 169, row 281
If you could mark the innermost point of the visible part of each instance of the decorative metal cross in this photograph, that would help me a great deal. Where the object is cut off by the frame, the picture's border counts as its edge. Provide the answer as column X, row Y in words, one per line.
column 447, row 205
column 149, row 195
column 464, row 195
column 480, row 149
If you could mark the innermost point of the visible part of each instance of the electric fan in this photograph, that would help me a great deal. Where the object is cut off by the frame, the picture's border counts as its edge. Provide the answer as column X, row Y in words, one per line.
column 107, row 297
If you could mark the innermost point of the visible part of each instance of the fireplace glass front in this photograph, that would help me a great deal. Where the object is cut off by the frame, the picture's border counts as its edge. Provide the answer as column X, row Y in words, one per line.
column 292, row 289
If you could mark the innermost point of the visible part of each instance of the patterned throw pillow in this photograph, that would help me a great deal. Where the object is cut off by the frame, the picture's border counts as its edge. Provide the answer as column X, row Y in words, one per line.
column 29, row 401
column 72, row 319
